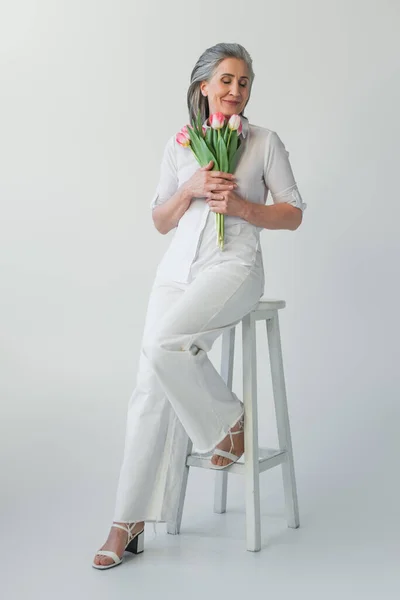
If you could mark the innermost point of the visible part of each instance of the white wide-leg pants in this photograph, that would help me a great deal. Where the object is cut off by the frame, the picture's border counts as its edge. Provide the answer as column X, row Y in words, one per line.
column 179, row 394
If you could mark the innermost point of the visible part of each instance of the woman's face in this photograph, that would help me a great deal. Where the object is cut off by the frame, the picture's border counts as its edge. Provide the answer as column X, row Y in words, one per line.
column 228, row 89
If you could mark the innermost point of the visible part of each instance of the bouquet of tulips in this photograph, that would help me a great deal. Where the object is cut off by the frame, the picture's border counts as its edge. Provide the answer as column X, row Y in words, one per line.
column 218, row 143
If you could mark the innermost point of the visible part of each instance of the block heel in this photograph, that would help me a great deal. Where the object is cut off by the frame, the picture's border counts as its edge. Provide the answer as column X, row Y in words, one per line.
column 134, row 544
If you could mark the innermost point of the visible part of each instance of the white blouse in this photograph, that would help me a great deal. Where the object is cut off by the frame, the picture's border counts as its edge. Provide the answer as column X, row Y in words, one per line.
column 263, row 166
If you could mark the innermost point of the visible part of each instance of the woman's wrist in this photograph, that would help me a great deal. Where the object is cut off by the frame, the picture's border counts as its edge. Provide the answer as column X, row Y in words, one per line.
column 186, row 194
column 246, row 209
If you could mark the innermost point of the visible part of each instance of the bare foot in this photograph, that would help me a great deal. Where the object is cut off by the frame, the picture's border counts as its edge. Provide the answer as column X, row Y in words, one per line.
column 237, row 448
column 116, row 541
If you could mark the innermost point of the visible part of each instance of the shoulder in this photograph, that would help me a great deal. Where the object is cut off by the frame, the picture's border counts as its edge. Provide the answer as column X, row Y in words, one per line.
column 169, row 148
column 174, row 149
column 171, row 143
column 269, row 142
column 264, row 134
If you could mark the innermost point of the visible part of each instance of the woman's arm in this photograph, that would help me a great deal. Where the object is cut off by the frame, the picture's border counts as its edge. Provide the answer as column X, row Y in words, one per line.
column 170, row 201
column 166, row 216
column 273, row 216
column 287, row 210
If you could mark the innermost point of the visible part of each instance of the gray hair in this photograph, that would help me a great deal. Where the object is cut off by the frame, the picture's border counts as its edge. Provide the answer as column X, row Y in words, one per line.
column 204, row 70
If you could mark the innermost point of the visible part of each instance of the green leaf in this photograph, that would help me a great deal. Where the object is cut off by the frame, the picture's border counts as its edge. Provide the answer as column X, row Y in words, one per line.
column 201, row 149
column 209, row 139
column 232, row 151
column 198, row 147
column 194, row 139
column 199, row 123
column 226, row 135
column 222, row 155
column 204, row 154
column 215, row 138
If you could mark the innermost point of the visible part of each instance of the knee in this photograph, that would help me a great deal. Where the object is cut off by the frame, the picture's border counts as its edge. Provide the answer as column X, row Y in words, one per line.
column 152, row 349
column 157, row 347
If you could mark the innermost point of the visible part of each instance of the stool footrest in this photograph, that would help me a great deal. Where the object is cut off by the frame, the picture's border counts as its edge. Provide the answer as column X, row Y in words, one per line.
column 268, row 458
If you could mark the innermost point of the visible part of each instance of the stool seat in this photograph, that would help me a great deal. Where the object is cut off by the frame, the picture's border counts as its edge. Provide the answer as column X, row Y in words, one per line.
column 255, row 459
column 270, row 304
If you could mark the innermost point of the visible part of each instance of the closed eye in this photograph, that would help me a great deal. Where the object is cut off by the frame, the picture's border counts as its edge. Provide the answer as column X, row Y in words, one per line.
column 242, row 84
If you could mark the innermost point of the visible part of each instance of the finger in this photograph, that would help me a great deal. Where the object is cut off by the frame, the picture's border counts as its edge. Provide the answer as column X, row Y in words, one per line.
column 221, row 186
column 226, row 181
column 206, row 167
column 216, row 208
column 226, row 184
column 222, row 174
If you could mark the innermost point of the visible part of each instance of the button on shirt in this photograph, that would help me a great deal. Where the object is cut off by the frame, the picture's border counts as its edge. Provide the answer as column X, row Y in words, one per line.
column 262, row 166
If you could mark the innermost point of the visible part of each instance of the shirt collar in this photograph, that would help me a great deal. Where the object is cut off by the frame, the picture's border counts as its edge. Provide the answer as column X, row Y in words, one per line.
column 245, row 125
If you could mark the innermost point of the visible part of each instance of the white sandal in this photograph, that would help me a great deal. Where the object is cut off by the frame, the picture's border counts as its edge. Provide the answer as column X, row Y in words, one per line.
column 232, row 457
column 134, row 544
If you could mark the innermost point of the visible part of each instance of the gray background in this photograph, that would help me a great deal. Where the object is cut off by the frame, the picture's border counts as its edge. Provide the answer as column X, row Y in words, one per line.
column 90, row 92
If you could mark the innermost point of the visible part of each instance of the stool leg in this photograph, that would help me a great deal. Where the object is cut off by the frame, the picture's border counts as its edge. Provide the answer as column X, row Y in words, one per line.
column 227, row 356
column 282, row 418
column 252, row 470
column 174, row 527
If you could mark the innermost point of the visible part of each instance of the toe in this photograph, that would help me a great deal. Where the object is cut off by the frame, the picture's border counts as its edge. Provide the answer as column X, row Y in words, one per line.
column 99, row 559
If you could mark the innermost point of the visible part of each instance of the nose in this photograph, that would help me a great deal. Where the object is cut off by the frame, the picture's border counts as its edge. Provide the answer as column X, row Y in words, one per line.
column 235, row 91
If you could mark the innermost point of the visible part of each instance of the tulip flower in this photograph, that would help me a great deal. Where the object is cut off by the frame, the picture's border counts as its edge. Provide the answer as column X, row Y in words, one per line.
column 234, row 123
column 183, row 139
column 217, row 120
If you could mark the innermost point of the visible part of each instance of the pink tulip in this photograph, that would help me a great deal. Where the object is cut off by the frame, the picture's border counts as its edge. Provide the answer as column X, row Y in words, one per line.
column 183, row 138
column 217, row 120
column 234, row 122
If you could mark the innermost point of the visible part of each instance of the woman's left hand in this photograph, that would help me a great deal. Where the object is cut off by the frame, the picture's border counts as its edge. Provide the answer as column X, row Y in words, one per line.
column 226, row 202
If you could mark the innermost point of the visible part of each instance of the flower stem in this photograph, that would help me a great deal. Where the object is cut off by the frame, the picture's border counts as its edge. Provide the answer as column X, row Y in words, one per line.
column 229, row 138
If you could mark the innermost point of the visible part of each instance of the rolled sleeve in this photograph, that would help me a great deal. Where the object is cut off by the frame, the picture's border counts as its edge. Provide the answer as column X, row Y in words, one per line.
column 168, row 178
column 278, row 174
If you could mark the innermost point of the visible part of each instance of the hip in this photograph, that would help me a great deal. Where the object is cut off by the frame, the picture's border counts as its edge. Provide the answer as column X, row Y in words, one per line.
column 241, row 248
column 190, row 253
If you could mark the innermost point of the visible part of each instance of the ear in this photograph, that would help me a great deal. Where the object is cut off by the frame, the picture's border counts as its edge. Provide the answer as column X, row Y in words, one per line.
column 203, row 89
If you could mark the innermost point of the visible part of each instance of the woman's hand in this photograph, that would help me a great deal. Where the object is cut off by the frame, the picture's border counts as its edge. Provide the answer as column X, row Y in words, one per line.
column 227, row 203
column 204, row 182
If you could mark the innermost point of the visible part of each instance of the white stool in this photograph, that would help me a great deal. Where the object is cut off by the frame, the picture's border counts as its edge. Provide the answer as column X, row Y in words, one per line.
column 255, row 459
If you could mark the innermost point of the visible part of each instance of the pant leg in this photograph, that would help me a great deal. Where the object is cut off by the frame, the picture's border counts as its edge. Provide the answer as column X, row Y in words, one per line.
column 179, row 394
column 217, row 299
column 155, row 440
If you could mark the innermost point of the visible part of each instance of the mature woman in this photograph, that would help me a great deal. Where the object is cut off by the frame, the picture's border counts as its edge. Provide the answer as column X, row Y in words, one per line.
column 199, row 291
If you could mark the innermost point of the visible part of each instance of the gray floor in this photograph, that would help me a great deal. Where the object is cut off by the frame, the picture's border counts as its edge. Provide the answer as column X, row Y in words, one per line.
column 346, row 547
